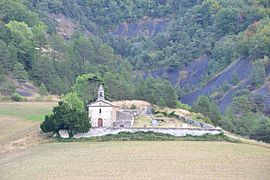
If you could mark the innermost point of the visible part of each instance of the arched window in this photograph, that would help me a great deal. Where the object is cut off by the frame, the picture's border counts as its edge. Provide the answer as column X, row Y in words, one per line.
column 100, row 94
column 100, row 111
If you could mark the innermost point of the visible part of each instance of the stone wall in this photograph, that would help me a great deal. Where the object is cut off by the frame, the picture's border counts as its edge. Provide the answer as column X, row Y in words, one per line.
column 93, row 132
column 123, row 116
column 119, row 123
column 133, row 112
column 123, row 119
column 195, row 123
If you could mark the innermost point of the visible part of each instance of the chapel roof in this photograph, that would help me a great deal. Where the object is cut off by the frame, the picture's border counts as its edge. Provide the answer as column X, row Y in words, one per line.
column 101, row 103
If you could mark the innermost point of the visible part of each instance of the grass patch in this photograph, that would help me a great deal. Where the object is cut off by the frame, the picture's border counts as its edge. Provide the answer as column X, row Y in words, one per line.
column 149, row 136
column 142, row 120
column 33, row 111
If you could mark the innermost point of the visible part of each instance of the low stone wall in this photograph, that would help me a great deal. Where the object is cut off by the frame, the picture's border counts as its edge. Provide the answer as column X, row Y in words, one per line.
column 123, row 116
column 195, row 123
column 119, row 123
column 93, row 132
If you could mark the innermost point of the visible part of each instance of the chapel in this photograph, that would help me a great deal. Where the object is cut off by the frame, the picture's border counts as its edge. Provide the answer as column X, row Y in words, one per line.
column 104, row 113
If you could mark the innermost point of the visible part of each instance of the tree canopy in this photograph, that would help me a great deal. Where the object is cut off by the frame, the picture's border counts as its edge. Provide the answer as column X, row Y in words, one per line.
column 65, row 117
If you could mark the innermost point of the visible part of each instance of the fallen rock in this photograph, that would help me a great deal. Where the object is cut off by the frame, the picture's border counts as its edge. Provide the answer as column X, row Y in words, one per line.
column 63, row 133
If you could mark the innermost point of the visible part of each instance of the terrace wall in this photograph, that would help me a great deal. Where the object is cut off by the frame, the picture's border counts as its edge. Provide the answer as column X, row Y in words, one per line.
column 93, row 132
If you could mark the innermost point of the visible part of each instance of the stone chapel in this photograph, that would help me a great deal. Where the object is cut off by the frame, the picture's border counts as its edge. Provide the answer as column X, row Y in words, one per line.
column 104, row 113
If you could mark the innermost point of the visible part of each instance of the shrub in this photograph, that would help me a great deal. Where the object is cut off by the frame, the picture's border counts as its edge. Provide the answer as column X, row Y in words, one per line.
column 201, row 118
column 38, row 98
column 133, row 106
column 183, row 106
column 150, row 136
column 16, row 97
column 64, row 117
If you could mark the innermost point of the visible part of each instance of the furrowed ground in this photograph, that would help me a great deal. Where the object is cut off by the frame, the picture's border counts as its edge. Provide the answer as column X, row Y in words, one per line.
column 26, row 154
column 155, row 159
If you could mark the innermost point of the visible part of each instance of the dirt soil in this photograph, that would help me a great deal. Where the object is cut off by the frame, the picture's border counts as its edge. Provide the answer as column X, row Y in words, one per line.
column 140, row 160
column 128, row 103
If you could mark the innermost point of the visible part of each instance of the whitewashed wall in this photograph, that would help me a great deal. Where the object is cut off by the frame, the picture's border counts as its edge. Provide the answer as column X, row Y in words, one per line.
column 107, row 114
column 93, row 132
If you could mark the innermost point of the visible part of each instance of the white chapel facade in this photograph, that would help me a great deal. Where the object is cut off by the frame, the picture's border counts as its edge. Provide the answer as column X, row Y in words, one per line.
column 103, row 113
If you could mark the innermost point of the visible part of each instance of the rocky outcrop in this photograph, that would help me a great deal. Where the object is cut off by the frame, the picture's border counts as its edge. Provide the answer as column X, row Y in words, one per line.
column 239, row 68
column 65, row 26
column 189, row 75
column 146, row 26
column 192, row 75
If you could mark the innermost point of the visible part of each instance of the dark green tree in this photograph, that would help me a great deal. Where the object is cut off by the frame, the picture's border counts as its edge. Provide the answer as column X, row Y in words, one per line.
column 19, row 72
column 86, row 86
column 5, row 57
column 74, row 101
column 64, row 117
column 261, row 131
column 43, row 91
column 208, row 108
column 257, row 75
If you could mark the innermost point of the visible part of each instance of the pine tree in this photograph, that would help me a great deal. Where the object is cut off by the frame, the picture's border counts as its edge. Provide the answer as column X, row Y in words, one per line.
column 257, row 73
column 19, row 72
column 208, row 108
column 43, row 90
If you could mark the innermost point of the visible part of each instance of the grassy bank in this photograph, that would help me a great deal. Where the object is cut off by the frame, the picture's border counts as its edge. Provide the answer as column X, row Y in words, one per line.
column 149, row 136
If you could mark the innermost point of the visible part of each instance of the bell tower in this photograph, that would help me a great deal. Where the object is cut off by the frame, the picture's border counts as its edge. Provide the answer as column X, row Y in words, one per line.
column 101, row 95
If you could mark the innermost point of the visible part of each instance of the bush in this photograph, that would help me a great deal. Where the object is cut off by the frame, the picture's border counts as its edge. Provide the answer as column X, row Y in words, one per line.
column 43, row 91
column 208, row 108
column 133, row 106
column 201, row 118
column 17, row 97
column 183, row 106
column 64, row 117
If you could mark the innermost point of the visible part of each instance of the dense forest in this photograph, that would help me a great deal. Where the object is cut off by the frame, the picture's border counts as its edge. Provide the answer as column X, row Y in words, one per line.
column 33, row 48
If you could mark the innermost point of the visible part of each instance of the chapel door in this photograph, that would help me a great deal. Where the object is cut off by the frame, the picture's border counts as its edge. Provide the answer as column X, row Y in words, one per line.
column 100, row 122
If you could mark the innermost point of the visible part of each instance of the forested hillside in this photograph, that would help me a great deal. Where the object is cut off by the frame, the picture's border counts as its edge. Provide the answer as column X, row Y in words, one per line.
column 155, row 50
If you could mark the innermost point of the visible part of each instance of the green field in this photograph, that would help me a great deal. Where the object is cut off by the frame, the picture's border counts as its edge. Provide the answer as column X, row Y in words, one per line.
column 17, row 119
column 33, row 111
column 26, row 154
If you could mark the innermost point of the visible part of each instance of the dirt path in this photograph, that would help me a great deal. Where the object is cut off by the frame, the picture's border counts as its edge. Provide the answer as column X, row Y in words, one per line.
column 16, row 148
column 13, row 128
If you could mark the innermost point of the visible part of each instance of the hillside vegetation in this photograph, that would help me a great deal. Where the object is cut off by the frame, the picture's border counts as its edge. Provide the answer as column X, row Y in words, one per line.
column 154, row 50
